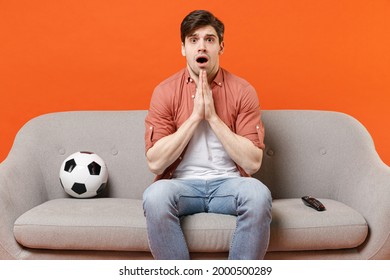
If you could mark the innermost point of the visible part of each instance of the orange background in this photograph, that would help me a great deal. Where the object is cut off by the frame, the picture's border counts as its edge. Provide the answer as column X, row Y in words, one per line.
column 110, row 54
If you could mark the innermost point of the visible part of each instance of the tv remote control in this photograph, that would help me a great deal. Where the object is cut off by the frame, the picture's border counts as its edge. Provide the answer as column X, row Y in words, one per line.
column 313, row 202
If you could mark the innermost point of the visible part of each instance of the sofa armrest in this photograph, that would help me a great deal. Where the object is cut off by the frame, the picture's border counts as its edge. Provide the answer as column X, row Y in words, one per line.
column 368, row 192
column 21, row 188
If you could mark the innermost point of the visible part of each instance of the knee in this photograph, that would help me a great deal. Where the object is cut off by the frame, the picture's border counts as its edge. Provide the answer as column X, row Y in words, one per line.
column 158, row 196
column 257, row 194
column 153, row 191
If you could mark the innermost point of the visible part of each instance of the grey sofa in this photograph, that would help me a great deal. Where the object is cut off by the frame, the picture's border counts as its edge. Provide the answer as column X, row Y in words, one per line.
column 328, row 155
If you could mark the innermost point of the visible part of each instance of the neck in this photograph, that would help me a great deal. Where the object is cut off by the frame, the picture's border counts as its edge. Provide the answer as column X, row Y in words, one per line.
column 210, row 76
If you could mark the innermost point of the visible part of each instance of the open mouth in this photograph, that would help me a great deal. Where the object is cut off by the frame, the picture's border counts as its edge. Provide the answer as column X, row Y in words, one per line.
column 202, row 60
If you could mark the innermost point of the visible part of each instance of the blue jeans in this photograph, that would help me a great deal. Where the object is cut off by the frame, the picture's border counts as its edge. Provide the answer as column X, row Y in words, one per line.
column 166, row 201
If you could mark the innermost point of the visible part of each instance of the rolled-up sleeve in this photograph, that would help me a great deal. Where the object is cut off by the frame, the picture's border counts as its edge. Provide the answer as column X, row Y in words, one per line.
column 158, row 122
column 248, row 122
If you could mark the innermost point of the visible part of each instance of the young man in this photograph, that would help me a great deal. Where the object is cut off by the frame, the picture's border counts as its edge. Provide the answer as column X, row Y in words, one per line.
column 204, row 138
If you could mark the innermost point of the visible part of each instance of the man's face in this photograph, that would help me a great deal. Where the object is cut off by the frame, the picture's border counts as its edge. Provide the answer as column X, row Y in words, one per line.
column 202, row 49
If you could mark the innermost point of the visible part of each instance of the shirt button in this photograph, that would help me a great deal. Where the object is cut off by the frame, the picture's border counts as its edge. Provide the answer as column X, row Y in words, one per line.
column 257, row 127
column 220, row 84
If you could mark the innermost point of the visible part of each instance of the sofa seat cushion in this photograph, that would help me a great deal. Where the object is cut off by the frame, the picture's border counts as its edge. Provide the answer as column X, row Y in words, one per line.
column 296, row 227
column 119, row 225
column 85, row 224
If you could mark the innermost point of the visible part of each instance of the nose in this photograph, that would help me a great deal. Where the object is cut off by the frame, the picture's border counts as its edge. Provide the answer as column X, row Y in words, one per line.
column 201, row 46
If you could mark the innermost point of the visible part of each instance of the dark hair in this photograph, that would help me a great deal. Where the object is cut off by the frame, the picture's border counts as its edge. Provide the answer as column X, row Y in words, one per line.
column 201, row 18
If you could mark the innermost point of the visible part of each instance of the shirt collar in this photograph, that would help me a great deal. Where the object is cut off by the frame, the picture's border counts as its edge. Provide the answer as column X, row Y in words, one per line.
column 218, row 80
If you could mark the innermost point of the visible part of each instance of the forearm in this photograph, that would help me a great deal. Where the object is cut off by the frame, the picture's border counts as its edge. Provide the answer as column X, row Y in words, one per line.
column 240, row 149
column 170, row 147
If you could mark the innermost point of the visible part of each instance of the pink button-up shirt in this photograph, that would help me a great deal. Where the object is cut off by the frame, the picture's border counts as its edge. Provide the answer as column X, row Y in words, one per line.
column 235, row 100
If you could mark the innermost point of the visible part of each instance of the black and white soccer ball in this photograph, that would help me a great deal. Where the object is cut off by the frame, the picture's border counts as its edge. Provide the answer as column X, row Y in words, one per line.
column 83, row 175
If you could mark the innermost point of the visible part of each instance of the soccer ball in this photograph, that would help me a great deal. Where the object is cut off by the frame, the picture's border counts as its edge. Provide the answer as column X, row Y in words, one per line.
column 83, row 175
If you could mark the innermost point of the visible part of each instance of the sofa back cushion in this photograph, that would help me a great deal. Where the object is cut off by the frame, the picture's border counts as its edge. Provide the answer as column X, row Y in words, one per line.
column 307, row 152
column 318, row 153
column 116, row 136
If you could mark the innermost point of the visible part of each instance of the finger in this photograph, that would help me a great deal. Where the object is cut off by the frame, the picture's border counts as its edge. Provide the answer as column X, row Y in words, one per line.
column 200, row 81
column 204, row 80
column 205, row 84
column 205, row 77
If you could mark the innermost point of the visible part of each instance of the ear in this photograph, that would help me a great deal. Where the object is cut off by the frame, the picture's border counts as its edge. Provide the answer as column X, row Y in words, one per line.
column 221, row 48
column 183, row 50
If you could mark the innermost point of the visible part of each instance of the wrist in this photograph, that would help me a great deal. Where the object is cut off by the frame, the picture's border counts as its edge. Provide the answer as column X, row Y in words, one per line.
column 195, row 118
column 214, row 120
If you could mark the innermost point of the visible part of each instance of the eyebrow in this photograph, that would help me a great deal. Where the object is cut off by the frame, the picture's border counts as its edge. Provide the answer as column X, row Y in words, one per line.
column 207, row 35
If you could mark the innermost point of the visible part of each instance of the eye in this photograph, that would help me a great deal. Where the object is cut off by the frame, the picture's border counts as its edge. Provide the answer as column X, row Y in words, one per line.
column 210, row 39
column 193, row 40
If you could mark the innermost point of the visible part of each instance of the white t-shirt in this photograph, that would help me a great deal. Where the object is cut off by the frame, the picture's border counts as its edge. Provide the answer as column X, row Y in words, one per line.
column 205, row 157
